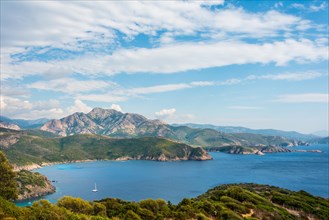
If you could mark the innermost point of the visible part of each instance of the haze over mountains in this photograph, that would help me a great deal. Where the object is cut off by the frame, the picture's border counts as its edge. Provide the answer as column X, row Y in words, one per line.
column 26, row 124
column 237, row 129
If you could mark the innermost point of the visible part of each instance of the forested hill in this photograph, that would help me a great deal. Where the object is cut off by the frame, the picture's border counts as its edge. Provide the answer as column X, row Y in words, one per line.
column 23, row 148
column 235, row 201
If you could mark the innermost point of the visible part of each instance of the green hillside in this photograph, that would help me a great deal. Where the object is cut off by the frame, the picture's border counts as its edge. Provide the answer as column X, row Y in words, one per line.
column 30, row 149
column 235, row 201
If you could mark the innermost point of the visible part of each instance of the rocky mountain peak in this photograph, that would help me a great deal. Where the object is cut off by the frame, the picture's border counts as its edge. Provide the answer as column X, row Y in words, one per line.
column 101, row 114
column 105, row 122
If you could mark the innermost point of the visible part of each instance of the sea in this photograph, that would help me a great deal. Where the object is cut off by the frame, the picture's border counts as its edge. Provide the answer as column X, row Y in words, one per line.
column 136, row 180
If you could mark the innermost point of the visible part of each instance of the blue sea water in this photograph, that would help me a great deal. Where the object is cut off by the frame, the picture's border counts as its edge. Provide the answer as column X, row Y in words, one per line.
column 173, row 181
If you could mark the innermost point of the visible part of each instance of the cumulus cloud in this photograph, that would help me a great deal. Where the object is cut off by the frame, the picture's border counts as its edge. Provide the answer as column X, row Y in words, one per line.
column 78, row 106
column 170, row 116
column 116, row 107
column 164, row 113
column 22, row 108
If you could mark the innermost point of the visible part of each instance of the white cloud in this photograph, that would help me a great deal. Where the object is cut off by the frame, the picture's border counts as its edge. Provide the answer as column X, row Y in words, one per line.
column 212, row 2
column 78, row 106
column 165, row 113
column 120, row 94
column 322, row 6
column 304, row 98
column 22, row 108
column 229, row 82
column 25, row 109
column 116, row 107
column 287, row 76
column 156, row 60
column 27, row 23
column 245, row 107
column 311, row 8
column 170, row 116
column 71, row 86
column 278, row 5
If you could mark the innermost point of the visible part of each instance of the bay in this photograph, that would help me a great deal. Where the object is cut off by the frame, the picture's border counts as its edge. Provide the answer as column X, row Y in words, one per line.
column 173, row 181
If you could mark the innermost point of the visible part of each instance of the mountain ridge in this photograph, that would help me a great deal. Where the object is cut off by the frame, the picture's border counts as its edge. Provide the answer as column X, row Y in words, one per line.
column 126, row 125
column 239, row 129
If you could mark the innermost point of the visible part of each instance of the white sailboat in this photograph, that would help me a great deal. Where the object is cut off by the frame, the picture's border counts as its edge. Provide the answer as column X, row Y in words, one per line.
column 95, row 189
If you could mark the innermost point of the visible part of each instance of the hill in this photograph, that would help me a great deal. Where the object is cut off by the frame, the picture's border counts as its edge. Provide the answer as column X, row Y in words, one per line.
column 32, row 185
column 324, row 140
column 233, row 201
column 22, row 148
column 117, row 124
column 268, row 132
column 25, row 124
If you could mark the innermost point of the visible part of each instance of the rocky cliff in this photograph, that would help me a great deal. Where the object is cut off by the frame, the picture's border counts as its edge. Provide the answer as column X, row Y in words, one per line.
column 32, row 185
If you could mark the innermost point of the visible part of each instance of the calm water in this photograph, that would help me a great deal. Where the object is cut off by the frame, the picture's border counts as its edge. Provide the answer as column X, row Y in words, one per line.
column 137, row 180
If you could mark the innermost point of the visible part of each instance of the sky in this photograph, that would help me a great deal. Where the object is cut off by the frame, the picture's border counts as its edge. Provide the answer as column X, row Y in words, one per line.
column 257, row 64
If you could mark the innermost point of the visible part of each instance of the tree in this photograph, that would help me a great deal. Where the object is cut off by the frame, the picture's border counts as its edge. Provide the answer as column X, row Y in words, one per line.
column 8, row 184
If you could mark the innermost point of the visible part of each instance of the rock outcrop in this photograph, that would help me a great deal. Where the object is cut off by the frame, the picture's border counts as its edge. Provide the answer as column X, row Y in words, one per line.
column 9, row 126
column 33, row 185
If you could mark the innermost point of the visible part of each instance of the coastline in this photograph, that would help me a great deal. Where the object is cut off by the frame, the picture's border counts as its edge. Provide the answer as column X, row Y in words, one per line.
column 161, row 158
column 35, row 166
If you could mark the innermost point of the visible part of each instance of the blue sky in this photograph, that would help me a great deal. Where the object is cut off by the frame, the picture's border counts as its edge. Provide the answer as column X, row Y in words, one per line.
column 258, row 64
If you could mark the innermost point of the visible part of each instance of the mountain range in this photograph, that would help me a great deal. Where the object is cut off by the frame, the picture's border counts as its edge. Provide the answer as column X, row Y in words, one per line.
column 113, row 123
column 25, row 124
column 271, row 132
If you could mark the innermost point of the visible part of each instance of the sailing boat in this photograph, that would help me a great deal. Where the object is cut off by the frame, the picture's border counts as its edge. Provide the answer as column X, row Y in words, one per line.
column 95, row 189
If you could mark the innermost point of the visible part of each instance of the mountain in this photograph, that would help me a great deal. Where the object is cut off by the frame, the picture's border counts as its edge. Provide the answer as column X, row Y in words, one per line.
column 322, row 133
column 323, row 140
column 117, row 124
column 269, row 132
column 24, row 149
column 9, row 126
column 25, row 124
column 107, row 122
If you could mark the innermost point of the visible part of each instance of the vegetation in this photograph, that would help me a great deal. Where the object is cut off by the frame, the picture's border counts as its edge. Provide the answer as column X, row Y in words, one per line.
column 235, row 201
column 31, row 149
column 209, row 138
column 8, row 185
column 26, row 180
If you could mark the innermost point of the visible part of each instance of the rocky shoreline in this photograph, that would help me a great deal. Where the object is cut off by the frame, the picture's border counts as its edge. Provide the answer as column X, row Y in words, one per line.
column 257, row 150
column 32, row 185
column 162, row 158
column 35, row 166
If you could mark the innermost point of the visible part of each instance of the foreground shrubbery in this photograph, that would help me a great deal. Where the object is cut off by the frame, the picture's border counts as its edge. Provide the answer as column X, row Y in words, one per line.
column 240, row 201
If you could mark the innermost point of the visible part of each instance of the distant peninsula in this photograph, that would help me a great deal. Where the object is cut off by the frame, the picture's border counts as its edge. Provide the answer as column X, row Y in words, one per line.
column 32, row 150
